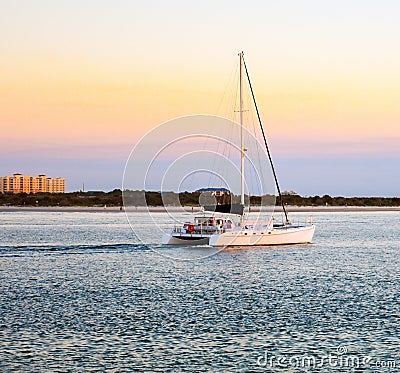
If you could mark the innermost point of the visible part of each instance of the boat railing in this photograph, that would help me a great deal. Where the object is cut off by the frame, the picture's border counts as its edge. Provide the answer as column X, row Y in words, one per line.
column 199, row 229
column 298, row 222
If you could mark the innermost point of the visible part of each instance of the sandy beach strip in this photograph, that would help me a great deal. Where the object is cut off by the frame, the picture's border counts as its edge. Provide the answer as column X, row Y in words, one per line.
column 190, row 209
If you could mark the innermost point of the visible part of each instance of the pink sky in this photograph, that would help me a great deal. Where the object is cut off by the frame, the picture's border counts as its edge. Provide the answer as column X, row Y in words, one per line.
column 79, row 80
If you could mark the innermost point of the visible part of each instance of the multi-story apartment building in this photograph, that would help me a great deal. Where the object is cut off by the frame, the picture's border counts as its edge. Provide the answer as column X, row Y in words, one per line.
column 55, row 185
column 27, row 184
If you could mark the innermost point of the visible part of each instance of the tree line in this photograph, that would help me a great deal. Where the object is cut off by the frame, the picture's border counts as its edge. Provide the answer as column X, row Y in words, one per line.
column 114, row 198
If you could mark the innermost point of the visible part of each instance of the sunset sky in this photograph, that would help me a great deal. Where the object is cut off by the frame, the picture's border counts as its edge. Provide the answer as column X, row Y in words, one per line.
column 82, row 81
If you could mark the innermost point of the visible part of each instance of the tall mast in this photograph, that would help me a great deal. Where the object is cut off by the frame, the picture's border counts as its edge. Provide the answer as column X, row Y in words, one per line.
column 265, row 141
column 241, row 127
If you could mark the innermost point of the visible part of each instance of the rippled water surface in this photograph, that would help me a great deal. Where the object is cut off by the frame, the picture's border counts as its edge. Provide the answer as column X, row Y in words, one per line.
column 78, row 292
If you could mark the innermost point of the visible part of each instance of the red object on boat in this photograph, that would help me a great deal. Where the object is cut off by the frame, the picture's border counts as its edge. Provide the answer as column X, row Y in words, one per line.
column 190, row 228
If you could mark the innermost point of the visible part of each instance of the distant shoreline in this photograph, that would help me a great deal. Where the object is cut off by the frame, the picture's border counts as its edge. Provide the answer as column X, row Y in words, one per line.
column 95, row 200
column 189, row 209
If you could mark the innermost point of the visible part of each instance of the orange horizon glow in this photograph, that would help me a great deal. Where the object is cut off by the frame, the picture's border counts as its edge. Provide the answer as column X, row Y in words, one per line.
column 109, row 105
column 87, row 81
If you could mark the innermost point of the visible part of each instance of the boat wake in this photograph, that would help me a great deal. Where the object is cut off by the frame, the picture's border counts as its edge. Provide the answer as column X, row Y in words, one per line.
column 49, row 248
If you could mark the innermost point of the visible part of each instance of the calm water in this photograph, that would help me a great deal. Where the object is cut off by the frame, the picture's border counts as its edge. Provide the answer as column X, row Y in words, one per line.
column 78, row 292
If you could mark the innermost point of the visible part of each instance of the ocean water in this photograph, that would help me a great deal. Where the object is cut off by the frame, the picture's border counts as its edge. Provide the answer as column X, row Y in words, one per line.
column 79, row 292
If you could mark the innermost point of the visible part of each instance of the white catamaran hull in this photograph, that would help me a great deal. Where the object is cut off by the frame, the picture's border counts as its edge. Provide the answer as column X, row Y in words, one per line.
column 276, row 236
column 187, row 240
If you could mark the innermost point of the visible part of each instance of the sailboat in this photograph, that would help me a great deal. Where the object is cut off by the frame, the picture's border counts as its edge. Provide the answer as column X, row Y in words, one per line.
column 220, row 229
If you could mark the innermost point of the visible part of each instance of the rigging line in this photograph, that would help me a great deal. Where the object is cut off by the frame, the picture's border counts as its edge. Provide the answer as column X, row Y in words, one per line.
column 265, row 142
column 259, row 176
column 231, row 99
column 228, row 84
column 256, row 170
column 229, row 135
column 261, row 169
column 212, row 177
column 232, row 139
